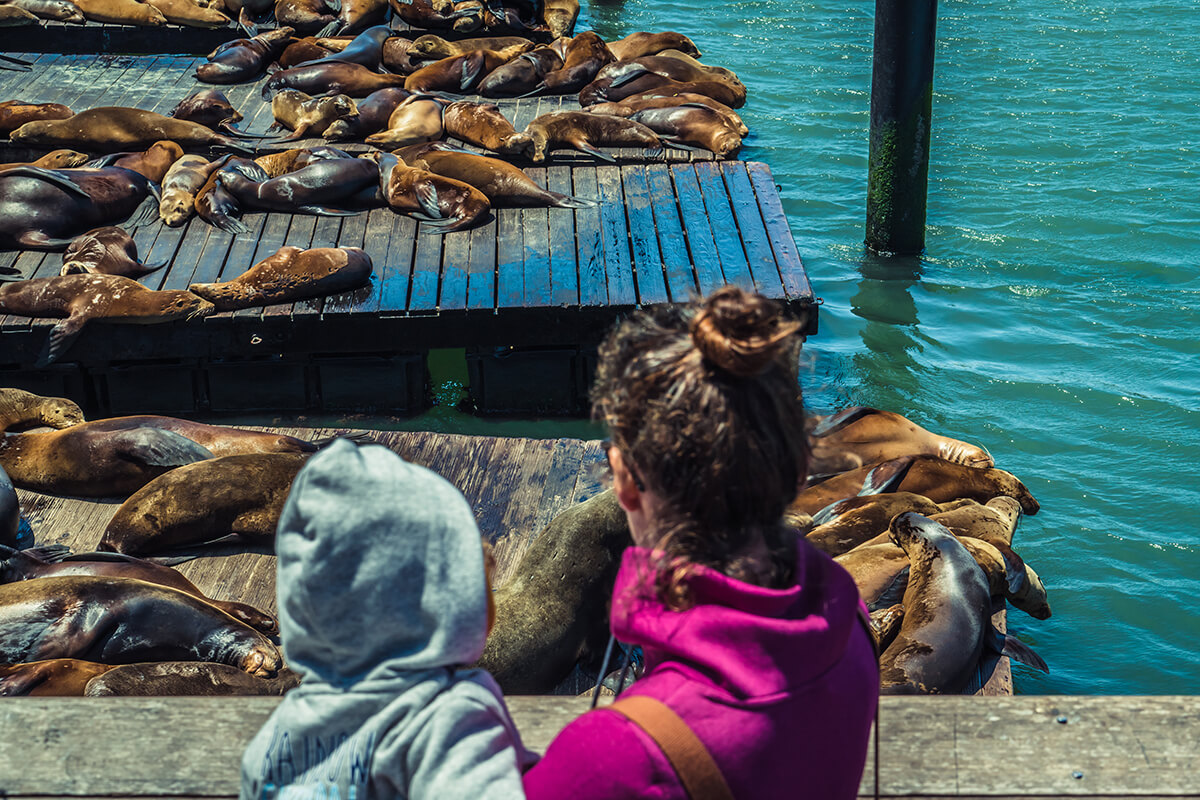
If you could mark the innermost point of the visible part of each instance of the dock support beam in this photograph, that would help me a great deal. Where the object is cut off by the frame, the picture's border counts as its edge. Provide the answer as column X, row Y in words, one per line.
column 901, row 102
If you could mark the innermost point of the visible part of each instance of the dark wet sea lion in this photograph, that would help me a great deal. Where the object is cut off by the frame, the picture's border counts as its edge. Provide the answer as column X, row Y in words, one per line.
column 10, row 512
column 371, row 115
column 56, row 677
column 106, row 298
column 117, row 128
column 947, row 619
column 559, row 16
column 20, row 565
column 20, row 409
column 204, row 502
column 602, row 89
column 636, row 45
column 14, row 17
column 434, row 48
column 885, row 624
column 187, row 679
column 366, row 49
column 188, row 13
column 275, row 164
column 56, row 159
column 522, row 74
column 444, row 204
column 358, row 15
column 584, row 131
column 121, row 12
column 850, row 522
column 15, row 113
column 585, row 56
column 123, row 621
column 59, row 10
column 396, row 56
column 308, row 116
column 179, row 188
column 244, row 59
column 555, row 605
column 302, row 51
column 691, row 125
column 940, row 480
column 220, row 440
column 207, row 107
column 329, row 78
column 42, row 209
column 422, row 14
column 683, row 70
column 151, row 163
column 216, row 206
column 291, row 274
column 632, row 105
column 106, row 251
column 504, row 185
column 857, row 436
column 326, row 187
column 483, row 125
column 306, row 16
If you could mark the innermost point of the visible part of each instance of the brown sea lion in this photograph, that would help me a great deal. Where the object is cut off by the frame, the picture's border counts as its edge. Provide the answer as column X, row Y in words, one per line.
column 119, row 128
column 56, row 677
column 82, row 298
column 24, row 565
column 559, row 16
column 636, row 45
column 240, row 496
column 397, row 56
column 423, row 14
column 275, row 164
column 308, row 116
column 44, row 209
column 443, row 204
column 188, row 13
column 504, row 185
column 484, row 125
column 939, row 480
column 850, row 522
column 244, row 59
column 306, row 16
column 554, row 608
column 631, row 105
column 56, row 159
column 106, row 251
column 416, row 119
column 584, row 131
column 947, row 620
column 179, row 187
column 690, row 125
column 434, row 48
column 324, row 187
column 152, row 163
column 885, row 624
column 858, row 436
column 603, row 89
column 329, row 78
column 121, row 12
column 20, row 409
column 456, row 74
column 187, row 679
column 522, row 74
column 585, row 57
column 357, row 15
column 216, row 206
column 123, row 621
column 291, row 274
column 220, row 440
column 207, row 107
column 15, row 113
column 371, row 115
column 683, row 70
column 14, row 17
column 58, row 10
column 302, row 51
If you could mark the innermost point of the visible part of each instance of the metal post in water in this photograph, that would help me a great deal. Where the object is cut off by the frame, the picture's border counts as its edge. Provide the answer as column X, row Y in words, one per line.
column 901, row 102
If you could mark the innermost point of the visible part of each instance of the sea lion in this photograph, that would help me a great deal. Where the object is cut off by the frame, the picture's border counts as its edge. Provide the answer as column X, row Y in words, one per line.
column 203, row 502
column 216, row 206
column 291, row 274
column 366, row 49
column 434, row 48
column 307, row 16
column 603, row 89
column 123, row 621
column 559, row 16
column 43, row 209
column 58, row 10
column 308, row 116
column 940, row 480
column 422, row 14
column 188, row 13
column 20, row 409
column 187, row 679
column 994, row 522
column 329, row 78
column 180, row 185
column 15, row 113
column 10, row 512
column 444, row 204
column 121, row 12
column 631, row 105
column 275, row 164
column 219, row 440
column 583, row 131
column 885, row 624
column 55, row 159
column 244, row 59
column 585, row 57
column 325, row 187
column 105, row 251
column 396, row 56
column 15, row 17
column 1017, row 583
column 639, row 44
column 357, row 15
column 683, row 70
column 152, row 163
column 504, row 185
column 302, row 51
column 87, row 463
column 483, row 125
column 56, row 677
column 857, row 436
column 119, row 128
column 455, row 74
column 207, row 107
column 416, row 119
column 107, row 298
column 691, row 125
column 947, row 619
column 848, row 523
column 555, row 606
column 24, row 565
column 371, row 115
column 522, row 74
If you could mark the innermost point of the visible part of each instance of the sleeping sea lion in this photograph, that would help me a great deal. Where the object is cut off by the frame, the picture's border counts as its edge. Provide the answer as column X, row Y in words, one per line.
column 55, row 159
column 357, row 15
column 325, row 187
column 291, row 274
column 106, row 298
column 483, row 125
column 456, row 74
column 848, row 523
column 151, row 163
column 443, row 204
column 522, row 74
column 203, row 502
column 307, row 16
column 121, row 12
column 58, row 10
column 691, row 125
column 632, row 105
column 636, row 45
column 14, row 17
column 187, row 679
column 105, row 251
column 396, row 56
column 366, row 49
column 858, row 436
column 220, row 440
column 244, row 59
column 504, row 185
column 123, row 621
column 308, row 116
column 10, row 512
column 302, row 51
column 20, row 409
column 329, row 78
column 15, row 113
column 118, row 128
column 188, row 13
column 207, row 107
column 56, row 677
column 216, row 206
column 603, row 89
column 584, row 131
column 24, row 565
column 275, row 164
column 371, row 115
column 434, row 48
column 180, row 185
column 683, row 69
column 585, row 56
column 416, row 119
column 559, row 16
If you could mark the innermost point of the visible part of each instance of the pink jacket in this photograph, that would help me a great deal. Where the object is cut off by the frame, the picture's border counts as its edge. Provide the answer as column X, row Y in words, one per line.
column 779, row 684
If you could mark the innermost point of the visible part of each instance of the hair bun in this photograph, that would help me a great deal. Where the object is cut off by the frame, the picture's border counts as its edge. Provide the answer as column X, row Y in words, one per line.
column 741, row 332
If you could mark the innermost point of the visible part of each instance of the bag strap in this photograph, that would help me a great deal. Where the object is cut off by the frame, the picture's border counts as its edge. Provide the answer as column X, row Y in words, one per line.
column 699, row 774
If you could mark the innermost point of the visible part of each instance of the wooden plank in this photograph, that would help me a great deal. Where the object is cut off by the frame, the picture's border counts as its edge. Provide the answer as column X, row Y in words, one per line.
column 614, row 232
column 647, row 261
column 375, row 240
column 398, row 268
column 481, row 268
column 510, row 258
column 589, row 241
column 241, row 257
column 726, row 236
column 751, row 229
column 699, row 232
column 193, row 242
column 456, row 259
column 274, row 234
column 426, row 271
column 564, row 272
column 791, row 270
column 535, row 230
column 677, row 264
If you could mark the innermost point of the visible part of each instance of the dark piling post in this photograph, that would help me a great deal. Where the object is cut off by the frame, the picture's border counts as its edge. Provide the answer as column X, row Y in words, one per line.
column 901, row 102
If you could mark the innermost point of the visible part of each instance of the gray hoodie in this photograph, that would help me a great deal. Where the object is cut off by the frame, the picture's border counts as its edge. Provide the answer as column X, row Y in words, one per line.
column 382, row 598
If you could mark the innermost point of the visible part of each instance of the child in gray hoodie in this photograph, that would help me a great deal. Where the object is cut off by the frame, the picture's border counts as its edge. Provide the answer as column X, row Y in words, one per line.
column 382, row 600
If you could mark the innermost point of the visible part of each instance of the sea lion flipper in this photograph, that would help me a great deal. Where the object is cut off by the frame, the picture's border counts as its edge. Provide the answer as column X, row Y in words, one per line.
column 147, row 212
column 156, row 447
column 886, row 477
column 827, row 514
column 50, row 176
column 331, row 29
column 841, row 419
column 627, row 77
column 245, row 23
column 47, row 553
column 569, row 201
column 61, row 337
column 334, row 5
column 1015, row 649
column 324, row 211
column 586, row 147
column 427, row 197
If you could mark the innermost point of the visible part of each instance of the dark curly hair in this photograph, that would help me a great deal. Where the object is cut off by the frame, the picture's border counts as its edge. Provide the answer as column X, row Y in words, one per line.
column 704, row 401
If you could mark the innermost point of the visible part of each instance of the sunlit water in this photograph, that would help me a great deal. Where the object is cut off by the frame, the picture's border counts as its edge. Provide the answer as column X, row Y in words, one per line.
column 1053, row 317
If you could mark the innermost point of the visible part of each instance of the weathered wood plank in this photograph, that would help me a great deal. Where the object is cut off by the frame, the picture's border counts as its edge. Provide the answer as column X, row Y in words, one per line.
column 791, row 270
column 725, row 231
column 481, row 268
column 677, row 264
column 589, row 241
column 456, row 259
column 398, row 267
column 564, row 273
column 426, row 274
column 753, row 233
column 535, row 224
column 699, row 231
column 510, row 259
column 647, row 261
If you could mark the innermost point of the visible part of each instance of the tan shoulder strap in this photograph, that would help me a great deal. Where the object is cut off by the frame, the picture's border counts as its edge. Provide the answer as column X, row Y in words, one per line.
column 699, row 774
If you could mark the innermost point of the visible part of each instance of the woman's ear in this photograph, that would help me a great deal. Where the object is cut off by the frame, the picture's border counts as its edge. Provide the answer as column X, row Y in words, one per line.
column 624, row 483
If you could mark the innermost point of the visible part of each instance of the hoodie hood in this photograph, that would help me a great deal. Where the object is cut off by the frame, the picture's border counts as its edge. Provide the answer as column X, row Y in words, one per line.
column 748, row 640
column 379, row 569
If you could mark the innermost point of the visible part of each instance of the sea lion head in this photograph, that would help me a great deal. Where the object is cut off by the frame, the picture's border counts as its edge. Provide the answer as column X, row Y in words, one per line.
column 966, row 454
column 63, row 159
column 430, row 46
column 177, row 305
column 726, row 143
column 339, row 105
column 32, row 131
column 341, row 129
column 176, row 207
column 59, row 412
column 262, row 660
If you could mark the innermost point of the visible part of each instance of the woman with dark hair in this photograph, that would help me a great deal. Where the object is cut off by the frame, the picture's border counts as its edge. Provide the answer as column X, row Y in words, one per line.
column 760, row 675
